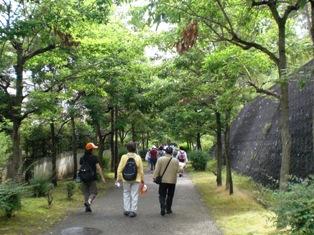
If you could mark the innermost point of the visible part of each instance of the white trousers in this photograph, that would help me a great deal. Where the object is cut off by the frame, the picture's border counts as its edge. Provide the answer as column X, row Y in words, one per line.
column 130, row 196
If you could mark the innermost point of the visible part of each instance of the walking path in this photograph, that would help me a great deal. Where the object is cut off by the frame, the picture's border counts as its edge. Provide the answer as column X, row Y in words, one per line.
column 190, row 215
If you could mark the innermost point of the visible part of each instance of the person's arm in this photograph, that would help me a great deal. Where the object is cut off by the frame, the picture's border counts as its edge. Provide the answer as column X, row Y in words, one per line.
column 141, row 169
column 157, row 169
column 100, row 173
column 120, row 168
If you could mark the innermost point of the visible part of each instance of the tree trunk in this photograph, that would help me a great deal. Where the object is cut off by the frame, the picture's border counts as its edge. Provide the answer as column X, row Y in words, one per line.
column 116, row 151
column 218, row 149
column 15, row 160
column 312, row 21
column 284, row 111
column 143, row 141
column 53, row 154
column 74, row 147
column 229, row 181
column 198, row 141
column 133, row 133
column 112, row 146
column 100, row 143
column 147, row 139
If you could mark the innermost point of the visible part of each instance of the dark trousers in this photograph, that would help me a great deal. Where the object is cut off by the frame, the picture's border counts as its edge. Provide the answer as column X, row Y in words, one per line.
column 153, row 164
column 166, row 192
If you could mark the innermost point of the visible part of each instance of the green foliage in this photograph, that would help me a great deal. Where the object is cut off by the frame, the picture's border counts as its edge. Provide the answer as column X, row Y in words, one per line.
column 199, row 160
column 105, row 162
column 295, row 208
column 40, row 187
column 10, row 197
column 142, row 153
column 70, row 186
column 6, row 146
column 122, row 151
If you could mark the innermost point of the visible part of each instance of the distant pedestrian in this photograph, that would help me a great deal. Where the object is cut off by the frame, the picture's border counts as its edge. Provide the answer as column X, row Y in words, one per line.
column 153, row 155
column 87, row 174
column 167, row 167
column 161, row 151
column 130, row 171
column 183, row 160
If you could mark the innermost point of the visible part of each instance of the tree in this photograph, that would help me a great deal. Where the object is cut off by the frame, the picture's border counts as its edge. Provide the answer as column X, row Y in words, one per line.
column 28, row 30
column 244, row 24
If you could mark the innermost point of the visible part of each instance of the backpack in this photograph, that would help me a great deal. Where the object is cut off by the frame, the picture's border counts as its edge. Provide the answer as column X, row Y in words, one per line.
column 181, row 156
column 129, row 172
column 153, row 154
column 86, row 174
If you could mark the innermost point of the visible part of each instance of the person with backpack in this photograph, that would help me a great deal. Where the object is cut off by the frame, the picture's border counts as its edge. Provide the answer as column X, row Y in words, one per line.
column 130, row 171
column 167, row 168
column 183, row 160
column 87, row 175
column 153, row 155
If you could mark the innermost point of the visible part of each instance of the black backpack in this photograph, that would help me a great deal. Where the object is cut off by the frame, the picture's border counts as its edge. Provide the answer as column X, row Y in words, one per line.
column 129, row 172
column 86, row 174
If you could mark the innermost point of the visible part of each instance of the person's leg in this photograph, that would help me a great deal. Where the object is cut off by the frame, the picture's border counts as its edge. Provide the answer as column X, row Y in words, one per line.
column 134, row 199
column 85, row 190
column 162, row 198
column 170, row 194
column 154, row 164
column 126, row 197
column 92, row 192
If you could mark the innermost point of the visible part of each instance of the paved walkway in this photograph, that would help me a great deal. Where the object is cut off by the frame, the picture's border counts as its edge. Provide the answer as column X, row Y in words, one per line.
column 190, row 215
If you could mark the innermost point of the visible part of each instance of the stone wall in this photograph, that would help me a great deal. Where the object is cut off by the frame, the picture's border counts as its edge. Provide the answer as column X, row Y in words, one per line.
column 255, row 135
column 43, row 168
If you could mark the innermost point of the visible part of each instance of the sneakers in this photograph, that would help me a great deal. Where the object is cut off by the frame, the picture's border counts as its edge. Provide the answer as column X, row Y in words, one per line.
column 169, row 211
column 87, row 207
column 162, row 212
column 126, row 213
column 132, row 214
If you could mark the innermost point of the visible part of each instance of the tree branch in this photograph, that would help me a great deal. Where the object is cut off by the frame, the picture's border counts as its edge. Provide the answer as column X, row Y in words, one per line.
column 39, row 51
column 263, row 91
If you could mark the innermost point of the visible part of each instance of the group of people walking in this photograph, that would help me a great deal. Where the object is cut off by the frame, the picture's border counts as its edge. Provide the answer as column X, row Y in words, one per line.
column 155, row 153
column 130, row 173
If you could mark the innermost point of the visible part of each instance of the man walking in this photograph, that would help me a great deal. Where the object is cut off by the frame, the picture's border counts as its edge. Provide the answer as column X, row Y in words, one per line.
column 87, row 174
column 130, row 171
column 167, row 167
column 183, row 160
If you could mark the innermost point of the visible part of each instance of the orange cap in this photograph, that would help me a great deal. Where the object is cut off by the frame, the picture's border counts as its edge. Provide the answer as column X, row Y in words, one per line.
column 90, row 146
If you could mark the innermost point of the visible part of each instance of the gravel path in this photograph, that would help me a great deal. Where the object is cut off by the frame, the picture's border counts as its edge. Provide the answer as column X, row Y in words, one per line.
column 190, row 215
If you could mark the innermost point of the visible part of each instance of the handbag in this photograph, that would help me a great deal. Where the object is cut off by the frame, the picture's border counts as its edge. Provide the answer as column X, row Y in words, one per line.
column 158, row 179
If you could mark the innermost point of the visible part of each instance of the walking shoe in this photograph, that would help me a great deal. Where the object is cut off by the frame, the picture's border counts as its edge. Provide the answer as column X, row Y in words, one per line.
column 162, row 213
column 126, row 213
column 87, row 207
column 132, row 214
column 169, row 211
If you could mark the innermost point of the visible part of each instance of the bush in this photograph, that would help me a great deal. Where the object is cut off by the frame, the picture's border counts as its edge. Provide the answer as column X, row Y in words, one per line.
column 40, row 187
column 199, row 160
column 10, row 197
column 105, row 162
column 70, row 186
column 142, row 153
column 295, row 208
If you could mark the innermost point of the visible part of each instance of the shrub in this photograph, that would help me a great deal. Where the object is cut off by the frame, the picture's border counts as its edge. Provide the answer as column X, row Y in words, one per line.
column 70, row 186
column 105, row 162
column 295, row 208
column 199, row 160
column 40, row 187
column 10, row 197
column 142, row 153
column 50, row 194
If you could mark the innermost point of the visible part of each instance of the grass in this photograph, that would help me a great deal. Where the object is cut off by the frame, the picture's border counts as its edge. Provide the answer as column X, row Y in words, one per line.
column 35, row 217
column 238, row 214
